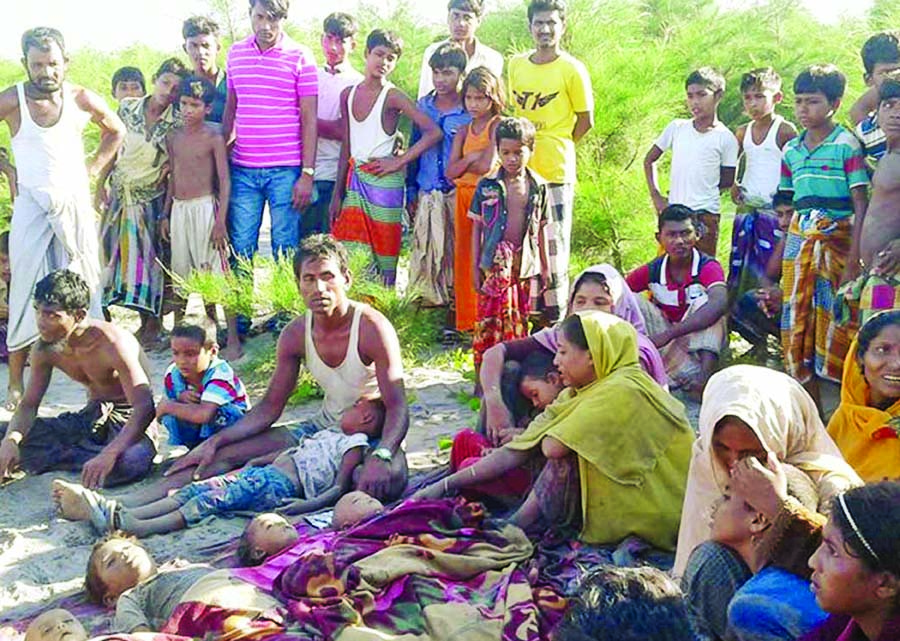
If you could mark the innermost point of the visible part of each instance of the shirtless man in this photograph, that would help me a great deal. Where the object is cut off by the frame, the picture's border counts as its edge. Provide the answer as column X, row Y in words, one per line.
column 350, row 349
column 108, row 439
column 53, row 225
column 878, row 289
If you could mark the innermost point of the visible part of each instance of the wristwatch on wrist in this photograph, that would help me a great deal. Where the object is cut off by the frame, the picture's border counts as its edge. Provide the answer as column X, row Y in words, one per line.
column 309, row 171
column 384, row 454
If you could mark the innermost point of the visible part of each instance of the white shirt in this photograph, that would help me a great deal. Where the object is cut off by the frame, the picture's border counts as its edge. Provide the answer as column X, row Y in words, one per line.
column 484, row 56
column 697, row 159
column 330, row 87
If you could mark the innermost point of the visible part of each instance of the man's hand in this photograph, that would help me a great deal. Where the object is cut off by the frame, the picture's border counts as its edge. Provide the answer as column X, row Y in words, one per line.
column 433, row 491
column 95, row 471
column 411, row 208
column 9, row 458
column 497, row 418
column 200, row 457
column 164, row 228
column 887, row 261
column 302, row 193
column 334, row 210
column 660, row 202
column 219, row 236
column 737, row 194
column 375, row 478
column 769, row 300
column 101, row 199
column 383, row 166
column 662, row 338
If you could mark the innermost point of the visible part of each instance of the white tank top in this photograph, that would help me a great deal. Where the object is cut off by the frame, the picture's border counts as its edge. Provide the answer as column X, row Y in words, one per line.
column 763, row 165
column 51, row 157
column 368, row 139
column 345, row 384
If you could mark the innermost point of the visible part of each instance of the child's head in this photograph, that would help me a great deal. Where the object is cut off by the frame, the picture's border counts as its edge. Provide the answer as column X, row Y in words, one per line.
column 338, row 37
column 354, row 507
column 783, row 204
column 201, row 43
column 61, row 301
column 880, row 55
column 117, row 563
column 5, row 274
column 194, row 346
column 383, row 50
column 547, row 22
column 365, row 417
column 167, row 79
column 128, row 82
column 817, row 94
column 539, row 380
column 482, row 93
column 56, row 625
column 463, row 18
column 625, row 604
column 760, row 92
column 856, row 569
column 889, row 107
column 265, row 536
column 515, row 144
column 591, row 292
column 448, row 64
column 704, row 88
column 195, row 98
column 677, row 231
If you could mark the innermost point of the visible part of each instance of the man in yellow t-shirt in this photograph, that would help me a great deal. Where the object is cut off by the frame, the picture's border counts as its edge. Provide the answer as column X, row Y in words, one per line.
column 553, row 90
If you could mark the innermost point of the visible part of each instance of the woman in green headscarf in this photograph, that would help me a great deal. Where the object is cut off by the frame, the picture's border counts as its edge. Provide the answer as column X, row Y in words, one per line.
column 617, row 446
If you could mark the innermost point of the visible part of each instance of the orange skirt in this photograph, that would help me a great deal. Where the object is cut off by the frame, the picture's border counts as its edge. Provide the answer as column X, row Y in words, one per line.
column 464, row 289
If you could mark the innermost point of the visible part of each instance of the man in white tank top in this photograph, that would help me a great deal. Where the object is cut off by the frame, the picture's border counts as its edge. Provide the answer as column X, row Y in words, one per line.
column 350, row 349
column 53, row 225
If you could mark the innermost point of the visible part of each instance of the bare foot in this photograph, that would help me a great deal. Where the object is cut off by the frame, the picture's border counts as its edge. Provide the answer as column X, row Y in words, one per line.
column 233, row 351
column 13, row 396
column 70, row 500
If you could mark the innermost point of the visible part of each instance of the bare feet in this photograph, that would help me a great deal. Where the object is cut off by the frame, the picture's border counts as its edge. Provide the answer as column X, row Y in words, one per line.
column 70, row 500
column 13, row 396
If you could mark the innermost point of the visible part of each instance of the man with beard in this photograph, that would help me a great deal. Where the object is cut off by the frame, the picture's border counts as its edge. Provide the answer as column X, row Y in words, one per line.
column 53, row 224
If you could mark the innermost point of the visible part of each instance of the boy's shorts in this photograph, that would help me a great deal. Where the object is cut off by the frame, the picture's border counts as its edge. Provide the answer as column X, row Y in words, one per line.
column 190, row 228
column 253, row 488
column 191, row 434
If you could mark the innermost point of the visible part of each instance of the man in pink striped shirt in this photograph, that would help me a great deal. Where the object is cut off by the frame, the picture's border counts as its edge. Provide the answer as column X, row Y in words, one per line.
column 270, row 125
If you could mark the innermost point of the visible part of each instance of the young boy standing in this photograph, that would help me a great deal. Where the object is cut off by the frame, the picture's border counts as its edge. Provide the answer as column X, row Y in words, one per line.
column 704, row 157
column 198, row 193
column 513, row 261
column 338, row 42
column 370, row 215
column 825, row 170
column 880, row 55
column 431, row 197
column 128, row 82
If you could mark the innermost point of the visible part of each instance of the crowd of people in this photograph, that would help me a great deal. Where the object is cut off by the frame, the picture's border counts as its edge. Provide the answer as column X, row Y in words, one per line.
column 782, row 526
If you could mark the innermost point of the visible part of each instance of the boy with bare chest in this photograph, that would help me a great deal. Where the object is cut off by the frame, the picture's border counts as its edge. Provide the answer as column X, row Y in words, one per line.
column 108, row 440
column 198, row 194
column 878, row 288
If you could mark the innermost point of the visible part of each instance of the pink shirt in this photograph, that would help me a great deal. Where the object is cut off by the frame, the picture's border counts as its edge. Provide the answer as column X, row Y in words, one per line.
column 268, row 86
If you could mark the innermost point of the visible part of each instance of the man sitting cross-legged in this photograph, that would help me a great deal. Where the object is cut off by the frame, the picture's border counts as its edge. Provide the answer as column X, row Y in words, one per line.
column 108, row 440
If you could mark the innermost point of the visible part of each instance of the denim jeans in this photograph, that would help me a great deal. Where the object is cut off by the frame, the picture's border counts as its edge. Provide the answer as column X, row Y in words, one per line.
column 314, row 219
column 251, row 188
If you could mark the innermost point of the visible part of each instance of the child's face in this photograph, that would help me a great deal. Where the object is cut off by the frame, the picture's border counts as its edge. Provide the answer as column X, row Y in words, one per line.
column 514, row 156
column 120, row 565
column 354, row 507
column 702, row 101
column 547, row 28
column 760, row 102
column 813, row 109
column 53, row 323
column 5, row 274
column 336, row 49
column 193, row 110
column 165, row 88
column 731, row 519
column 462, row 25
column 879, row 71
column 477, row 102
column 190, row 357
column 271, row 533
column 380, row 62
column 446, row 80
column 784, row 214
column 575, row 365
column 362, row 418
column 56, row 625
column 128, row 89
column 889, row 118
column 541, row 391
column 202, row 49
column 592, row 296
column 678, row 238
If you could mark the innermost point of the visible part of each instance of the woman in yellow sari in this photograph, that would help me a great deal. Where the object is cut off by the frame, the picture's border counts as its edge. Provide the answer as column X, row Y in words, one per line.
column 866, row 425
column 617, row 445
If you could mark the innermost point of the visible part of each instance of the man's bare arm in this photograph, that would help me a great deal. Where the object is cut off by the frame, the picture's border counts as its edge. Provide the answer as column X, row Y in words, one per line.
column 9, row 107
column 112, row 129
column 380, row 343
column 331, row 129
column 228, row 118
column 220, row 156
column 124, row 356
column 23, row 419
column 584, row 122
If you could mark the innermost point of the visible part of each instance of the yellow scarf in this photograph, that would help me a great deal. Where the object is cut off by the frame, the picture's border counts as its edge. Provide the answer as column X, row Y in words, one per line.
column 632, row 439
column 866, row 436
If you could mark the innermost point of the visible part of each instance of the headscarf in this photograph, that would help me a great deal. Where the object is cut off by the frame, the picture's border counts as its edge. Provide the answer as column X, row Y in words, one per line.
column 868, row 437
column 785, row 420
column 632, row 439
column 625, row 306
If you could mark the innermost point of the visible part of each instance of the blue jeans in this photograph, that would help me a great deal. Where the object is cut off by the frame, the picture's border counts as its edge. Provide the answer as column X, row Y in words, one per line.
column 251, row 188
column 314, row 219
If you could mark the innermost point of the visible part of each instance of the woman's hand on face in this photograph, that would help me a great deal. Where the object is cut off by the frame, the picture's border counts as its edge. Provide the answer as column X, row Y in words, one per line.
column 762, row 486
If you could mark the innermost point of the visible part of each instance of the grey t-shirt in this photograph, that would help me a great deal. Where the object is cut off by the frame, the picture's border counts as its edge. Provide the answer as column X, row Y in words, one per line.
column 151, row 603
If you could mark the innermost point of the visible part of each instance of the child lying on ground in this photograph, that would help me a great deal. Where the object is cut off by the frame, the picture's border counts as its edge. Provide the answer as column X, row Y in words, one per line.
column 55, row 625
column 302, row 479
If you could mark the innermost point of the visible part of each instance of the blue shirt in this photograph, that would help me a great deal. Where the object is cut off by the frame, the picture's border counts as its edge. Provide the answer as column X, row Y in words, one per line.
column 432, row 170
